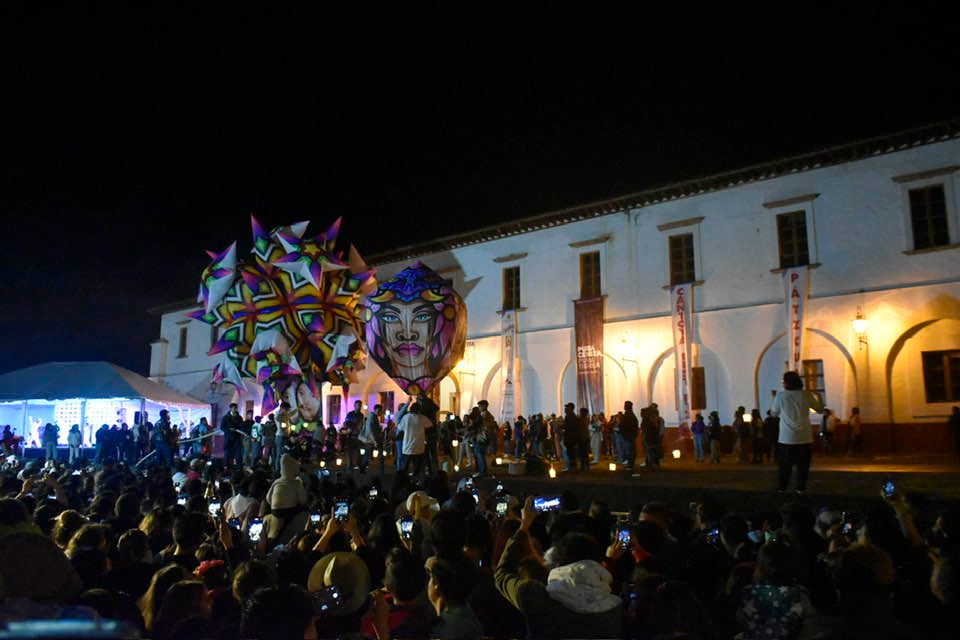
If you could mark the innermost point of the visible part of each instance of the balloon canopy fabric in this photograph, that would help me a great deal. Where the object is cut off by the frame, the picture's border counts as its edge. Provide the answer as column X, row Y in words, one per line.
column 416, row 328
column 290, row 316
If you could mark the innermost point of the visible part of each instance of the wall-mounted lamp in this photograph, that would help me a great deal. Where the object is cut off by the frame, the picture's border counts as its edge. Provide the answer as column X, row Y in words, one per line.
column 860, row 327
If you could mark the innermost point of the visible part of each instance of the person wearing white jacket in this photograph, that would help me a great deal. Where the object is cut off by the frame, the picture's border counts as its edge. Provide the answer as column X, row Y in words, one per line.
column 414, row 427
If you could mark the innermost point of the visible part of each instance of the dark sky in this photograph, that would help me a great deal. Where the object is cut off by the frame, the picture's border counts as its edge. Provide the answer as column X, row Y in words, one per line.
column 132, row 139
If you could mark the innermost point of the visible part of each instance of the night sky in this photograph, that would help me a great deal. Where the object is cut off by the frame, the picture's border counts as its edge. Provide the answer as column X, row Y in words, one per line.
column 132, row 139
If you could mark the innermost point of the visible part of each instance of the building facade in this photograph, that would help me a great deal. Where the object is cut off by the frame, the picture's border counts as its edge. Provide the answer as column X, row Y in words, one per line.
column 875, row 223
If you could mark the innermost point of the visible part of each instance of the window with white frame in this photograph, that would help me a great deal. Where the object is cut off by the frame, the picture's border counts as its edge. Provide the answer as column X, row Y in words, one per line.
column 928, row 216
column 792, row 239
column 511, row 288
column 590, row 281
column 682, row 262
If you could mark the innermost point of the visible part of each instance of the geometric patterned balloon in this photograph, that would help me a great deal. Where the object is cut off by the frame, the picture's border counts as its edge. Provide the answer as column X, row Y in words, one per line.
column 416, row 328
column 291, row 314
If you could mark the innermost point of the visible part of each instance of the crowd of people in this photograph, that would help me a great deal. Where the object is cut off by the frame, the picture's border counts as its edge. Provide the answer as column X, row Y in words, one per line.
column 199, row 551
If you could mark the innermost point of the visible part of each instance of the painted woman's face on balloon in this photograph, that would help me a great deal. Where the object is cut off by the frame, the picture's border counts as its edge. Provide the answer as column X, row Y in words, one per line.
column 407, row 329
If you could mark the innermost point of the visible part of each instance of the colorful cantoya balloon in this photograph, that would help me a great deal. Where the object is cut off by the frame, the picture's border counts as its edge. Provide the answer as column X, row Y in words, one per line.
column 291, row 317
column 416, row 328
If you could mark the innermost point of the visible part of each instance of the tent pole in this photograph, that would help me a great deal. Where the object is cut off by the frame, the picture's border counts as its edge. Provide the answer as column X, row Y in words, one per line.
column 83, row 419
column 23, row 427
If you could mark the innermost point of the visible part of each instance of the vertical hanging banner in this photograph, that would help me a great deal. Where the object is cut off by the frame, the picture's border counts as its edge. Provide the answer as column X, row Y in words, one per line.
column 681, row 301
column 796, row 298
column 588, row 320
column 508, row 340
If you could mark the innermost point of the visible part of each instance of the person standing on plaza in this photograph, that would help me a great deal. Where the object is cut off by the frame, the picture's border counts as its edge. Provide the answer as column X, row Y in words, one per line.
column 629, row 429
column 650, row 427
column 485, row 434
column 161, row 439
column 349, row 432
column 828, row 428
column 571, row 435
column 699, row 431
column 742, row 430
column 414, row 428
column 771, row 431
column 792, row 406
column 283, row 433
column 430, row 411
column 596, row 436
column 371, row 438
column 246, row 440
column 757, row 445
column 556, row 434
column 855, row 442
column 715, row 434
column 232, row 427
column 953, row 425
column 268, row 438
column 50, row 437
column 74, row 438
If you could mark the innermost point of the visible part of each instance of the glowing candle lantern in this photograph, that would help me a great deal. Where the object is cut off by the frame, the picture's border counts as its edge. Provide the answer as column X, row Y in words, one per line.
column 498, row 460
column 339, row 461
column 323, row 463
column 376, row 453
column 455, row 443
column 363, row 452
column 552, row 473
column 456, row 468
column 612, row 466
column 676, row 454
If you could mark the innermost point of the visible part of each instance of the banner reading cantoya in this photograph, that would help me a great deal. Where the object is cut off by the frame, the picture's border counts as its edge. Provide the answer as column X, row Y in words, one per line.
column 508, row 336
column 796, row 281
column 588, row 321
column 681, row 300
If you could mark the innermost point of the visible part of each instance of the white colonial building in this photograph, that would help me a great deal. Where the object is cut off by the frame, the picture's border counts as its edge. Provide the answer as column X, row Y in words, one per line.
column 878, row 223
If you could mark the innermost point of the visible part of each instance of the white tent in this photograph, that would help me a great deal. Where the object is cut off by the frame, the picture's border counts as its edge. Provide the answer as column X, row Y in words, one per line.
column 88, row 394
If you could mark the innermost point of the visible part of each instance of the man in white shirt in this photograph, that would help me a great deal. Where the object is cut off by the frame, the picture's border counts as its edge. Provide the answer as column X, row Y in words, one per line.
column 414, row 427
column 795, row 442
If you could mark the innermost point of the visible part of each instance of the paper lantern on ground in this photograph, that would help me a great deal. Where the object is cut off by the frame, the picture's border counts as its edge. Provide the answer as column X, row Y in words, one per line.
column 416, row 328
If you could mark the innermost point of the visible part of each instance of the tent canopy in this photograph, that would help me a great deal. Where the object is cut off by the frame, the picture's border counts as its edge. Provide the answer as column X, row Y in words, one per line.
column 66, row 380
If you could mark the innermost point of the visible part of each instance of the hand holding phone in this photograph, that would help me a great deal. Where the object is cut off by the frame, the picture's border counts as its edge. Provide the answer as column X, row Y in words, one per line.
column 255, row 530
column 546, row 503
column 502, row 507
column 623, row 535
column 341, row 510
column 405, row 526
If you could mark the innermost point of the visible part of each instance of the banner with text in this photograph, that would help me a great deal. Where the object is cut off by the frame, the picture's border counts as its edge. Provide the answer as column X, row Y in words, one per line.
column 508, row 334
column 797, row 282
column 588, row 321
column 681, row 301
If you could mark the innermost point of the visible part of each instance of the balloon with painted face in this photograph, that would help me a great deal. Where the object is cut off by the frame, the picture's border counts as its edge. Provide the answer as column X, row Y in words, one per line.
column 416, row 328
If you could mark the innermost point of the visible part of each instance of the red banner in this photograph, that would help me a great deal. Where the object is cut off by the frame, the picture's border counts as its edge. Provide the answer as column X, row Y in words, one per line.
column 588, row 320
column 681, row 299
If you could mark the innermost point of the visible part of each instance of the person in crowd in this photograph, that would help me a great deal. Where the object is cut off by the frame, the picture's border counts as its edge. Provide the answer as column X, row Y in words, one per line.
column 828, row 430
column 74, row 440
column 855, row 437
column 650, row 427
column 50, row 438
column 596, row 437
column 247, row 444
column 757, row 444
column 572, row 437
column 371, row 438
column 741, row 429
column 232, row 427
column 795, row 444
column 283, row 434
column 698, row 430
column 484, row 433
column 162, row 436
column 715, row 434
column 771, row 434
column 629, row 430
column 414, row 428
column 776, row 605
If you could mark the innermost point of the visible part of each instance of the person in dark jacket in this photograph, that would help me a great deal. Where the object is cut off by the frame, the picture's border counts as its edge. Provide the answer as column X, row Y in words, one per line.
column 715, row 433
column 232, row 427
column 574, row 434
column 629, row 428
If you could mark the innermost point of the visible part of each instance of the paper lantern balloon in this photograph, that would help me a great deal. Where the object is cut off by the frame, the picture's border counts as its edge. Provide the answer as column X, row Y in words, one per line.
column 291, row 317
column 416, row 328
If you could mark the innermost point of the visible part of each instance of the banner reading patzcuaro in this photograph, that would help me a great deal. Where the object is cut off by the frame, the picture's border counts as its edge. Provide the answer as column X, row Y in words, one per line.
column 681, row 300
column 588, row 321
column 508, row 335
column 796, row 281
